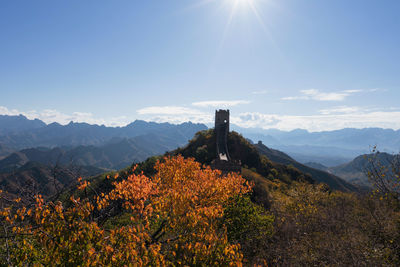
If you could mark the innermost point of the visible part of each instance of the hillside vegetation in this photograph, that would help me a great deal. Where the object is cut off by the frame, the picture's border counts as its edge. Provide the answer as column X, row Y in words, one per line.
column 184, row 214
column 174, row 210
column 356, row 171
column 270, row 163
column 202, row 147
column 321, row 176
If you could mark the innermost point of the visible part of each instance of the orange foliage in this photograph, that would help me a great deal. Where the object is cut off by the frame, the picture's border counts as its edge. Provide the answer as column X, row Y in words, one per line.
column 175, row 219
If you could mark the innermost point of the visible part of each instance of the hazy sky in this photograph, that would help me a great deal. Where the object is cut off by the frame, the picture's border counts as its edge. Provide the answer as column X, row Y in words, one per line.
column 284, row 64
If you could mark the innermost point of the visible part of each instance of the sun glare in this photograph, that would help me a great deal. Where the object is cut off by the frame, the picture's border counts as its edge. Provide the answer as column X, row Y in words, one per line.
column 243, row 2
column 240, row 8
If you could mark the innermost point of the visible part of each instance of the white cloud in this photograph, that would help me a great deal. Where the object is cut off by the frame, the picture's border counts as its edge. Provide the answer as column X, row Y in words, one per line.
column 353, row 91
column 295, row 98
column 378, row 90
column 219, row 104
column 6, row 111
column 51, row 115
column 167, row 110
column 320, row 96
column 314, row 94
column 328, row 119
column 255, row 119
column 205, row 118
column 321, row 122
column 340, row 109
column 174, row 114
column 261, row 92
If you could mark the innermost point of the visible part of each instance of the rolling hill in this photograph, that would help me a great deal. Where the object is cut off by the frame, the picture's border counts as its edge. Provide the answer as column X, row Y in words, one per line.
column 36, row 178
column 333, row 181
column 356, row 170
column 115, row 154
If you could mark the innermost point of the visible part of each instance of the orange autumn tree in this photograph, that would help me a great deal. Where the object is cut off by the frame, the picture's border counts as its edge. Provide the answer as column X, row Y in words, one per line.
column 175, row 218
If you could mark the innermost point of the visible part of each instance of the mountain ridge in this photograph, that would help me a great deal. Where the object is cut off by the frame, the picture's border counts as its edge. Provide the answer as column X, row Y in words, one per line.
column 75, row 134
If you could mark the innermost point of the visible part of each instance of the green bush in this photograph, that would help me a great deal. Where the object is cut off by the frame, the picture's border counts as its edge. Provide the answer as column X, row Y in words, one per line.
column 250, row 225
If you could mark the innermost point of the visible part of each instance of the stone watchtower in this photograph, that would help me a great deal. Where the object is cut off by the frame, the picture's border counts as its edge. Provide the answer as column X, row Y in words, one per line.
column 221, row 133
column 223, row 160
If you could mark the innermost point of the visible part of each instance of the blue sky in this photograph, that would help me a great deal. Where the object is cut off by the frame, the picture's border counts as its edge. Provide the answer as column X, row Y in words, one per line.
column 318, row 65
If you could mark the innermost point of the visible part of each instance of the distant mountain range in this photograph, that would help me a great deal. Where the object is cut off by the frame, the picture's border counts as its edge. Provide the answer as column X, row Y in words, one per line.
column 16, row 124
column 37, row 157
column 330, row 148
column 115, row 154
column 325, row 156
column 18, row 132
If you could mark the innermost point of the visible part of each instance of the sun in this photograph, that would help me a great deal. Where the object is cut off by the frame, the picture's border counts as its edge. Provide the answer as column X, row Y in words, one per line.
column 251, row 5
column 236, row 5
column 250, row 8
column 240, row 4
column 243, row 2
column 236, row 8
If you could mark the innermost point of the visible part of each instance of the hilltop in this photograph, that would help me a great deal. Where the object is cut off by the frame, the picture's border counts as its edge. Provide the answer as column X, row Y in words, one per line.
column 269, row 163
